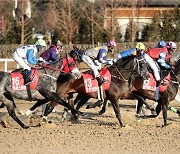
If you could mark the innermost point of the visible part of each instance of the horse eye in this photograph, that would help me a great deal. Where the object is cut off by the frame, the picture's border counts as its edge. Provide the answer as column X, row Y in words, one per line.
column 72, row 64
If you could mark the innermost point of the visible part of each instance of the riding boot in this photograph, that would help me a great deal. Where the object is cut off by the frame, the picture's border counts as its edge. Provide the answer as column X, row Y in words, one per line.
column 100, row 80
column 26, row 75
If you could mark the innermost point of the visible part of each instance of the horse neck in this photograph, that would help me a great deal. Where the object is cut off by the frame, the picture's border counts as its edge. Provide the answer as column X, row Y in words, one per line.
column 54, row 69
column 177, row 70
column 123, row 68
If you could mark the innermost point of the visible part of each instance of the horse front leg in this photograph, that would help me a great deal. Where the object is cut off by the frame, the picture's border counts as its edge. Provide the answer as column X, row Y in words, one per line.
column 70, row 101
column 81, row 100
column 36, row 105
column 103, row 110
column 11, row 110
column 164, row 112
column 49, row 107
column 163, row 101
column 54, row 97
column 114, row 102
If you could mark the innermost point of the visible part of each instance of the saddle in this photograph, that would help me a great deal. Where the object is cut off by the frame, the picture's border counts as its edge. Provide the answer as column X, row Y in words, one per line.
column 17, row 80
column 91, row 83
column 150, row 84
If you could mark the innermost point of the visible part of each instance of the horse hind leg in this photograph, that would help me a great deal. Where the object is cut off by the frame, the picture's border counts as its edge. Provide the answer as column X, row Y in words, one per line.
column 11, row 110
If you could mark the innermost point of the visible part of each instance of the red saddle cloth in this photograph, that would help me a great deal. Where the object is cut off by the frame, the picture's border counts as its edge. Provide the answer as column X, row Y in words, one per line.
column 91, row 84
column 150, row 84
column 17, row 83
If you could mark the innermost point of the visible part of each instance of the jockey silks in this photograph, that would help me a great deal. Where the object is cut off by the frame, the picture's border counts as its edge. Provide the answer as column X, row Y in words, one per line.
column 50, row 54
column 155, row 53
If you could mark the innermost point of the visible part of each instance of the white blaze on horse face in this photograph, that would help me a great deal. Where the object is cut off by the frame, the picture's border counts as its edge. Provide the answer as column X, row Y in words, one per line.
column 76, row 73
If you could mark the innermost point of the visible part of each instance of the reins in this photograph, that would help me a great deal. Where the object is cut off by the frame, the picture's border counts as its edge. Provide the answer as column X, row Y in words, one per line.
column 119, row 73
column 53, row 68
column 138, row 71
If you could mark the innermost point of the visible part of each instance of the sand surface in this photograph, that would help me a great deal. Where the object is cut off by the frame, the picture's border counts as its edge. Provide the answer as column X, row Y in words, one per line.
column 92, row 134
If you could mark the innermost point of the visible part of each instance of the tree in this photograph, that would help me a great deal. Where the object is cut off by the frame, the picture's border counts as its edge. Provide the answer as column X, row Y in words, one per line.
column 67, row 20
column 153, row 33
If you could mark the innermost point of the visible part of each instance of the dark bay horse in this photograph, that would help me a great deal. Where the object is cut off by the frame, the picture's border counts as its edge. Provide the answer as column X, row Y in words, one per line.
column 165, row 97
column 124, row 76
column 45, row 89
column 126, row 86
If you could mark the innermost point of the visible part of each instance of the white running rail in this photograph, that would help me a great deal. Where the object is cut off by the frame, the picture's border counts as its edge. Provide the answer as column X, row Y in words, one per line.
column 5, row 61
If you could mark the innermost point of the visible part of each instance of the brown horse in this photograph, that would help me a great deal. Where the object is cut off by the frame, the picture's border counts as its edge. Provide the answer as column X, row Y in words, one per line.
column 125, row 75
column 124, row 85
column 165, row 97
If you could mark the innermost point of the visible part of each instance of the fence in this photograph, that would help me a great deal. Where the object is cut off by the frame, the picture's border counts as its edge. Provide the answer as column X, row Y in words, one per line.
column 4, row 66
column 7, row 50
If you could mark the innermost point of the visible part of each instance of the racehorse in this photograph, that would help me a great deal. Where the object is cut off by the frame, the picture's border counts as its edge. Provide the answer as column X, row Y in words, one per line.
column 45, row 89
column 127, row 70
column 124, row 92
column 165, row 97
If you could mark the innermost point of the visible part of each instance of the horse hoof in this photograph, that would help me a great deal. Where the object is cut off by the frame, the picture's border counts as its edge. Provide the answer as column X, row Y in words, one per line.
column 154, row 113
column 88, row 107
column 44, row 119
column 25, row 127
column 178, row 112
column 101, row 112
column 122, row 125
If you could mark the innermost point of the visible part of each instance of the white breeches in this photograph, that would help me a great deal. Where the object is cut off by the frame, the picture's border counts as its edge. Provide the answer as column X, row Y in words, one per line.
column 22, row 62
column 95, row 66
column 153, row 66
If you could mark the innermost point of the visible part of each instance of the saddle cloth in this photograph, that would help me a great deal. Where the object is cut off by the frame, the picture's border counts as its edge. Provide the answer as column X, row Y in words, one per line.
column 91, row 84
column 150, row 84
column 17, row 80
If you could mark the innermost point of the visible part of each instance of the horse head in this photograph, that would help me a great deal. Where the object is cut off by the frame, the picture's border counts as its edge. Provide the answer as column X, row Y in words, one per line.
column 141, row 68
column 173, row 61
column 133, row 66
column 76, row 54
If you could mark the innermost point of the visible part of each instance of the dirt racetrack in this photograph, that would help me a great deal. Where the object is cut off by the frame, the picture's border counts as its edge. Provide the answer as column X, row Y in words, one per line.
column 92, row 134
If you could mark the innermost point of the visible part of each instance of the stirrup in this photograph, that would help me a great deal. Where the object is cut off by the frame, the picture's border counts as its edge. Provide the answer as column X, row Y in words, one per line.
column 100, row 81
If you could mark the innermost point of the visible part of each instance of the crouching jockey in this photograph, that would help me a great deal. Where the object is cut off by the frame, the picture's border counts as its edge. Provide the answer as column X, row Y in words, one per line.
column 161, row 55
column 51, row 54
column 94, row 57
column 26, row 55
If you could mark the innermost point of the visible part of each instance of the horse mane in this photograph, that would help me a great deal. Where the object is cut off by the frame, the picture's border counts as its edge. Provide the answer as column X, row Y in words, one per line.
column 121, row 63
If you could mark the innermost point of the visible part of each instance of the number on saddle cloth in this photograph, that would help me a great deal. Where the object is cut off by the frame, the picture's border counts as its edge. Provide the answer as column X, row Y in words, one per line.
column 18, row 81
column 91, row 84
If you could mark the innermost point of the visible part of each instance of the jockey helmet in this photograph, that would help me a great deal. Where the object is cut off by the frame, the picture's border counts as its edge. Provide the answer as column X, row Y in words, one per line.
column 171, row 47
column 111, row 44
column 140, row 46
column 40, row 42
column 161, row 44
column 76, row 52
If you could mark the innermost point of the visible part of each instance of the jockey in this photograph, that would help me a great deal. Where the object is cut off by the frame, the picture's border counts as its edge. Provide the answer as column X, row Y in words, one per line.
column 138, row 50
column 50, row 54
column 94, row 57
column 26, row 55
column 161, row 55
